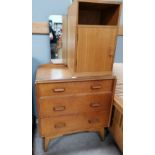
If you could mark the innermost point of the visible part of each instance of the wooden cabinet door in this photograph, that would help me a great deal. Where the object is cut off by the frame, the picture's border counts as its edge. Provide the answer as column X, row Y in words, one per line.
column 95, row 48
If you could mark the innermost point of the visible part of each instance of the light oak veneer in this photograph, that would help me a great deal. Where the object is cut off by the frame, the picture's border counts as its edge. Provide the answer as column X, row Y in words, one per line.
column 68, row 105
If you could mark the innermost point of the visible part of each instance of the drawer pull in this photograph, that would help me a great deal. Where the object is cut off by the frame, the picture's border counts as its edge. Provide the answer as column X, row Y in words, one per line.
column 61, row 108
column 95, row 105
column 58, row 90
column 96, row 87
column 60, row 125
column 93, row 121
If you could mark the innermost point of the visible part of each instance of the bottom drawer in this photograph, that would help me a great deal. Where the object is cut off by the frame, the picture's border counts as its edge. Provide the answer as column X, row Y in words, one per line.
column 56, row 126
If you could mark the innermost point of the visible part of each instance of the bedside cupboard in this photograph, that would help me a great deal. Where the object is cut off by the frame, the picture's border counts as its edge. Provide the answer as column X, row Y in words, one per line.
column 92, row 33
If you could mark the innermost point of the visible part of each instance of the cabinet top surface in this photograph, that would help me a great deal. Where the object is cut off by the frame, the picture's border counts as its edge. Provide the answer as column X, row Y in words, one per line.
column 47, row 73
column 100, row 1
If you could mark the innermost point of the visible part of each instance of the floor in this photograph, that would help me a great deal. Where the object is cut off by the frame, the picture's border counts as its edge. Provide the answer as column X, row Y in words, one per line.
column 86, row 143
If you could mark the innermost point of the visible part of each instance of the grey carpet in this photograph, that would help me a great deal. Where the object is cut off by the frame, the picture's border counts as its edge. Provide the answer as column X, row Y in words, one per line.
column 86, row 143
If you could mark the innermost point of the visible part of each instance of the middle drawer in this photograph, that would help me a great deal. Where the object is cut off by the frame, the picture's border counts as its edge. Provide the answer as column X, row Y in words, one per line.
column 80, row 103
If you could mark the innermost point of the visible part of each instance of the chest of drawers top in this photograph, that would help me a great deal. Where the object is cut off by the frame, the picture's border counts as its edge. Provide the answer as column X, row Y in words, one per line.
column 48, row 74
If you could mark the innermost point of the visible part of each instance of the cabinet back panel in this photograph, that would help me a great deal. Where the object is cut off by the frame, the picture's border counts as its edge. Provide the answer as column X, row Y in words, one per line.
column 98, row 14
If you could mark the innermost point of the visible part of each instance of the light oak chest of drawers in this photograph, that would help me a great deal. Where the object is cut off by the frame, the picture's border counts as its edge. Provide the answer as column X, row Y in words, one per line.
column 68, row 104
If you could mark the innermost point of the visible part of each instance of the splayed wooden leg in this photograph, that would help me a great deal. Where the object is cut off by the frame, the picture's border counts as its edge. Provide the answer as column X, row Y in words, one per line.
column 101, row 133
column 46, row 142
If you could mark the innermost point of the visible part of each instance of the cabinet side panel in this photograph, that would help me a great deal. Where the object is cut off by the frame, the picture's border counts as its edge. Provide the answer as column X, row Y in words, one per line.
column 72, row 22
column 116, row 128
column 64, row 39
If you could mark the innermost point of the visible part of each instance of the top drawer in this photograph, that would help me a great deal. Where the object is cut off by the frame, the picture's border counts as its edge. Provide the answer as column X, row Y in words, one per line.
column 62, row 88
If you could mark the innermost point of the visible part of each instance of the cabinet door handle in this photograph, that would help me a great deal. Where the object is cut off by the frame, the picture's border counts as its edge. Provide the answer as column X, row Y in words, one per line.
column 58, row 90
column 60, row 125
column 96, row 87
column 95, row 105
column 93, row 121
column 60, row 108
column 111, row 52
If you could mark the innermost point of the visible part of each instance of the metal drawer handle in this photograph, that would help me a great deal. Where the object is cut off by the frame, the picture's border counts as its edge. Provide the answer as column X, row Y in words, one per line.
column 95, row 105
column 92, row 121
column 58, row 90
column 60, row 108
column 60, row 125
column 96, row 87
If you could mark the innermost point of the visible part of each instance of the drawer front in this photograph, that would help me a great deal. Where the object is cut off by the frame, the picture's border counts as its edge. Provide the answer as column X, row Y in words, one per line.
column 56, row 106
column 73, row 123
column 50, row 89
